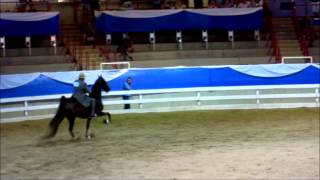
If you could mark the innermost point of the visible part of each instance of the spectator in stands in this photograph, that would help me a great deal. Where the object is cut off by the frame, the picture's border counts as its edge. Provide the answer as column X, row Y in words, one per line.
column 156, row 4
column 127, row 86
column 180, row 5
column 198, row 4
column 229, row 3
column 127, row 4
column 259, row 3
column 89, row 34
column 94, row 5
column 80, row 94
column 213, row 4
column 307, row 31
column 31, row 8
column 243, row 4
column 124, row 47
column 21, row 7
column 169, row 4
column 220, row 3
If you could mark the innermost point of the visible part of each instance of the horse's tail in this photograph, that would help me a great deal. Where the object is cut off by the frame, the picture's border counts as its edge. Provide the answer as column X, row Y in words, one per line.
column 57, row 119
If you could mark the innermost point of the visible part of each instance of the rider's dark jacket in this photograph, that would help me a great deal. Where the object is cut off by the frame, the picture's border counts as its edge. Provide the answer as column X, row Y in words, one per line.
column 80, row 90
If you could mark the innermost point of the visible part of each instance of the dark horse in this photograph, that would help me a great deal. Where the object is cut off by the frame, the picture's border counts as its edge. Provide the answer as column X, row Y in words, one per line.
column 70, row 108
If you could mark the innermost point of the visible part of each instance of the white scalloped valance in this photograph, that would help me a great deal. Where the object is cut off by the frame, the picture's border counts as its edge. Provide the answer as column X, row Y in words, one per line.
column 271, row 70
column 12, row 81
column 142, row 13
column 263, row 70
column 224, row 11
column 28, row 16
column 166, row 12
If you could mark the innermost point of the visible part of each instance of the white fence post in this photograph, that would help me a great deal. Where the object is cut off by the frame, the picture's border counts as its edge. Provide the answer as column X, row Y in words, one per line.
column 26, row 107
column 198, row 97
column 258, row 100
column 140, row 104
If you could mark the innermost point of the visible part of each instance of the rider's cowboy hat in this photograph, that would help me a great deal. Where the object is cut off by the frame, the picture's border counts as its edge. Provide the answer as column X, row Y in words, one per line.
column 81, row 76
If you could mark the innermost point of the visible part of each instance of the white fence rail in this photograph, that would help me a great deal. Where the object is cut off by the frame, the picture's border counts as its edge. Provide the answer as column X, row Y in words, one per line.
column 250, row 97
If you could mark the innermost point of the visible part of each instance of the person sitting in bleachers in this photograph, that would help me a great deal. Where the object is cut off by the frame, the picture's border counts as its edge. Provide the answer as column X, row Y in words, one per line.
column 180, row 5
column 213, row 4
column 243, row 4
column 307, row 31
column 124, row 47
column 169, row 4
column 88, row 34
column 228, row 4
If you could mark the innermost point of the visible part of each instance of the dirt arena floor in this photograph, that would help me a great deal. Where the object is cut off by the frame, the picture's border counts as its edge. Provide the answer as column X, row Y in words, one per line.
column 235, row 144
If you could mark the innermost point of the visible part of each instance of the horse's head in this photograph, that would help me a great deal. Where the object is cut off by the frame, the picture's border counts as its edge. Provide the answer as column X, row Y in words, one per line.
column 98, row 86
column 103, row 84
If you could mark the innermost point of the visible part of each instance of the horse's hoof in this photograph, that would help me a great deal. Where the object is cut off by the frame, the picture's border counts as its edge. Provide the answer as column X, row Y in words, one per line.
column 106, row 121
column 92, row 135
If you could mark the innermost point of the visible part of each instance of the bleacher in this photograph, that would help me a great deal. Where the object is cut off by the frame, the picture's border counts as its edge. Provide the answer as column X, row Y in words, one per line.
column 165, row 52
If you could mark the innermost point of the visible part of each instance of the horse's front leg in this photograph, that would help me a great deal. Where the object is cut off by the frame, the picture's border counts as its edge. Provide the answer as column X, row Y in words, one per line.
column 71, row 123
column 88, row 136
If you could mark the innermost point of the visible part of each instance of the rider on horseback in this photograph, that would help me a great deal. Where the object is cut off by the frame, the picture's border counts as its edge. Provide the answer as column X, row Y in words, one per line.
column 80, row 90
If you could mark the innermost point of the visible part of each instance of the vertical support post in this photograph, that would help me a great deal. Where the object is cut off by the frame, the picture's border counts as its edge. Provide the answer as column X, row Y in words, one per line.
column 152, row 40
column 205, row 38
column 179, row 39
column 28, row 43
column 231, row 38
column 26, row 113
column 53, row 42
column 124, row 35
column 3, row 45
column 140, row 104
column 257, row 36
column 108, row 39
column 198, row 97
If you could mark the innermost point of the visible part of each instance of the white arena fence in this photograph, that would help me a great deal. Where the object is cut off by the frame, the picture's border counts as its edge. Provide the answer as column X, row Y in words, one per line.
column 179, row 99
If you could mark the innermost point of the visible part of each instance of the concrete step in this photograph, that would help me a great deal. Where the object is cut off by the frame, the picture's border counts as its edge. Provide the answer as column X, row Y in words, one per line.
column 195, row 46
column 199, row 54
column 34, row 60
column 201, row 62
column 37, row 68
column 34, row 52
column 291, row 53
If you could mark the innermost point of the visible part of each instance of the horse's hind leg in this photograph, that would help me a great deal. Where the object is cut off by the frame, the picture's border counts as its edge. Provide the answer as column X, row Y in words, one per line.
column 71, row 123
column 107, row 119
column 54, row 125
